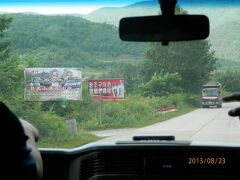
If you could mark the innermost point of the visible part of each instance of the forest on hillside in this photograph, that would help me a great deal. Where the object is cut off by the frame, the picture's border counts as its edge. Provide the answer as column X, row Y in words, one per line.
column 67, row 41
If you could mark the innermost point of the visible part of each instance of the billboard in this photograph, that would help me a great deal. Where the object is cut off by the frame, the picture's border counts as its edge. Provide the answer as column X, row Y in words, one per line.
column 53, row 84
column 112, row 89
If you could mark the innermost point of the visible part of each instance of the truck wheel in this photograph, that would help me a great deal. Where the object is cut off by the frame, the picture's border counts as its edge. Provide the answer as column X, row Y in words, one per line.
column 219, row 106
column 204, row 106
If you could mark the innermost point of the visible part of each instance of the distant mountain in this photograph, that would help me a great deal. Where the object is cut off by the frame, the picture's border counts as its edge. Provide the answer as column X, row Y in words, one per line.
column 112, row 15
column 144, row 4
column 218, row 3
column 67, row 41
column 224, row 30
column 31, row 13
column 74, row 15
column 225, row 39
column 220, row 12
column 206, row 3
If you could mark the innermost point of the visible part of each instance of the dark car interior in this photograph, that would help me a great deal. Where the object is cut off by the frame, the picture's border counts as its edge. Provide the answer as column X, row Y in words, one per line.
column 142, row 160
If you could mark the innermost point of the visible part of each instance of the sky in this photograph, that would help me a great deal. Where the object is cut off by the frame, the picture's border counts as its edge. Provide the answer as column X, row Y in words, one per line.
column 59, row 6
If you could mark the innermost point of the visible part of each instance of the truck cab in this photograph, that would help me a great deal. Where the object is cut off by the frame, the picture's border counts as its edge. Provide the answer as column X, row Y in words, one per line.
column 212, row 95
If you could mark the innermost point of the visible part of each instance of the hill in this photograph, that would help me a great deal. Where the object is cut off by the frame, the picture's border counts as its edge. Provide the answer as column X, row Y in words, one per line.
column 68, row 41
column 221, row 20
column 141, row 8
column 226, row 40
column 151, row 7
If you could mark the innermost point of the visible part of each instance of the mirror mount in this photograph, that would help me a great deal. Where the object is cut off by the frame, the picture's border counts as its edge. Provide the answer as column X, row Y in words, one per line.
column 168, row 9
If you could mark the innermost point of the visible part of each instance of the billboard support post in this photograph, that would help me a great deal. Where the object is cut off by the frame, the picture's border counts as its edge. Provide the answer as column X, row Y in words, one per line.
column 69, row 117
column 101, row 109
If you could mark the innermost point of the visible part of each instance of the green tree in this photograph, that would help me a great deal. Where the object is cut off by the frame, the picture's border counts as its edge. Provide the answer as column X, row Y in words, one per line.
column 192, row 60
column 4, row 45
column 230, row 80
column 9, row 67
column 11, row 78
column 131, row 74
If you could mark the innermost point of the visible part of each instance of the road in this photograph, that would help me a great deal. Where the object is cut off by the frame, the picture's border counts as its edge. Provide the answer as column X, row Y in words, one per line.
column 210, row 124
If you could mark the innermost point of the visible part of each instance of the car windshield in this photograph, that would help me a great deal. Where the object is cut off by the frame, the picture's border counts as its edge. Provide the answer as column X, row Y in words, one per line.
column 210, row 92
column 64, row 69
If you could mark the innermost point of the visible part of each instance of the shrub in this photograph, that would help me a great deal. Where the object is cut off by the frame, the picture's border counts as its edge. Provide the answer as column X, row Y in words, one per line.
column 48, row 123
column 161, row 85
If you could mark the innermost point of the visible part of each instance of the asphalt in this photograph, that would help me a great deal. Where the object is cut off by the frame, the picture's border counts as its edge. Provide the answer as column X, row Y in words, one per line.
column 208, row 124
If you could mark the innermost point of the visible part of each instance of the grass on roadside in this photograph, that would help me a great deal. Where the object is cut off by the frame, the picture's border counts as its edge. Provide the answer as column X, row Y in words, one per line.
column 83, row 137
column 70, row 141
column 134, row 112
column 151, row 119
column 163, row 117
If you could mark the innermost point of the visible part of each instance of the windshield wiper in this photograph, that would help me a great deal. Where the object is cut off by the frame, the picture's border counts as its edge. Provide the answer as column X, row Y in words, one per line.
column 153, row 138
column 148, row 140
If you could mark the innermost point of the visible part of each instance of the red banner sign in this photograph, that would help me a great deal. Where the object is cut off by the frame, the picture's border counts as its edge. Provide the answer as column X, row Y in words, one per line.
column 112, row 89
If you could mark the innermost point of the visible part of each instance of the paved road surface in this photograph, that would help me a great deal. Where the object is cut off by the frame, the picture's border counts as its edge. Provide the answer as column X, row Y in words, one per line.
column 210, row 124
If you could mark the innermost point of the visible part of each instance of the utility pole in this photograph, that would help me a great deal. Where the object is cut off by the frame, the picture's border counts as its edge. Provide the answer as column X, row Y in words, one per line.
column 101, row 109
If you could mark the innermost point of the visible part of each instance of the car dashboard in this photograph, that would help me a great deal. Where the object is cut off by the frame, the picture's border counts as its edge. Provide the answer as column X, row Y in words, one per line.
column 142, row 160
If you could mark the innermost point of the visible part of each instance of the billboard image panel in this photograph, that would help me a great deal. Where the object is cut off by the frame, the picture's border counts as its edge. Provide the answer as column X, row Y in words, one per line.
column 53, row 84
column 112, row 89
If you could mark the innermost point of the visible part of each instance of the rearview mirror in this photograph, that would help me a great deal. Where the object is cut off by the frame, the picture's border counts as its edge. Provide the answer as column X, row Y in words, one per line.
column 164, row 28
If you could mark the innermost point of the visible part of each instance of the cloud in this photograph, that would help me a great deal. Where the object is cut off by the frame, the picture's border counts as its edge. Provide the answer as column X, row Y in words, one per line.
column 49, row 9
column 59, row 6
